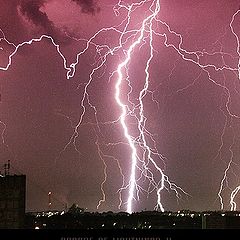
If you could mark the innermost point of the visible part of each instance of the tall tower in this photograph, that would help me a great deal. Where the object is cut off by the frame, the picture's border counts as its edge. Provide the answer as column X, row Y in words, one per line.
column 49, row 200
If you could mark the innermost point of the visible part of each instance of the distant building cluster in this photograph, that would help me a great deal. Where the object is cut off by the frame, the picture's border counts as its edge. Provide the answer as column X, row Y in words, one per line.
column 75, row 219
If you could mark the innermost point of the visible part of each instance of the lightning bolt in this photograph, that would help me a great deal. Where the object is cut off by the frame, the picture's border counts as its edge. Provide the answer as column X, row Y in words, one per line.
column 235, row 191
column 132, row 183
column 147, row 26
column 233, row 195
column 143, row 146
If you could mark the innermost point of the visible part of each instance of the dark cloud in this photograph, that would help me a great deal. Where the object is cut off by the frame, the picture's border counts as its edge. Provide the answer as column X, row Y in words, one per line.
column 31, row 10
column 88, row 6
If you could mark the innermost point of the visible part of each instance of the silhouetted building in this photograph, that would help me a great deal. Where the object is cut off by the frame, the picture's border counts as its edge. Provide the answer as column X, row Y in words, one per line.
column 214, row 221
column 12, row 201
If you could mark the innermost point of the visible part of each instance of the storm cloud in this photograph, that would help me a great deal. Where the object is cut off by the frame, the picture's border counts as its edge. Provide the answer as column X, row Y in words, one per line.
column 88, row 6
column 31, row 10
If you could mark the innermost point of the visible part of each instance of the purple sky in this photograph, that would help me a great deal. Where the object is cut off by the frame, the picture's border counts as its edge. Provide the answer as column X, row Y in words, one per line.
column 192, row 118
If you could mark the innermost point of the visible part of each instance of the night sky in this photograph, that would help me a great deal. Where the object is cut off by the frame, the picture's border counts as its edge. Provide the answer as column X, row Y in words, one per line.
column 192, row 113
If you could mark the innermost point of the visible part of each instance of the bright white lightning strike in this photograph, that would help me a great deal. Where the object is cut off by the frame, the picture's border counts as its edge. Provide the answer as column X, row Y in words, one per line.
column 132, row 183
column 124, row 108
column 147, row 26
column 232, row 201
